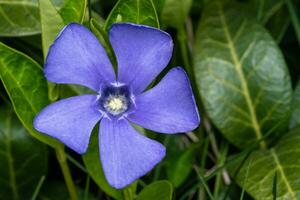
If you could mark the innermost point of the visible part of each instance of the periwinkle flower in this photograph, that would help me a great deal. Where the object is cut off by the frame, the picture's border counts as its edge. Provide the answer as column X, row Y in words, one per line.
column 142, row 52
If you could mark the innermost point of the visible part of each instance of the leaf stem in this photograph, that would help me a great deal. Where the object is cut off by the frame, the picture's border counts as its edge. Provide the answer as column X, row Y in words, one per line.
column 62, row 160
column 127, row 193
column 220, row 162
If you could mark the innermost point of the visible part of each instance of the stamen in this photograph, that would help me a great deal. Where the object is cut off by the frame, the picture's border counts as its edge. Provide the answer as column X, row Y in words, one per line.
column 116, row 104
column 115, row 100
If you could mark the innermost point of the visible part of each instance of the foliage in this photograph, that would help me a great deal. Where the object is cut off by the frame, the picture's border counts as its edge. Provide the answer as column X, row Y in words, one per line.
column 242, row 58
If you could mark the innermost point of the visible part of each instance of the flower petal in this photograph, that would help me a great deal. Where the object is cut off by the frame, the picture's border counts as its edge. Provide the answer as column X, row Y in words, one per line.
column 76, row 57
column 70, row 120
column 125, row 154
column 142, row 53
column 169, row 107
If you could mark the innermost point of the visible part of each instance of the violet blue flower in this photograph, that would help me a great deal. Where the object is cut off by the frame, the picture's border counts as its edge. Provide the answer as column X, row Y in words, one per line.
column 142, row 52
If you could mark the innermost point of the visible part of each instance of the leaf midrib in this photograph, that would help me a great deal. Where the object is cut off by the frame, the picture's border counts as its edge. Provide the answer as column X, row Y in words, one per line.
column 18, row 86
column 238, row 67
column 282, row 173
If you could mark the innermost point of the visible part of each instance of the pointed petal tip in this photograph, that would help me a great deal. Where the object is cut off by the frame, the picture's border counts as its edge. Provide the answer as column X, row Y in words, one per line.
column 38, row 126
column 169, row 107
column 77, row 57
column 70, row 121
column 125, row 154
column 121, row 185
column 150, row 51
column 195, row 122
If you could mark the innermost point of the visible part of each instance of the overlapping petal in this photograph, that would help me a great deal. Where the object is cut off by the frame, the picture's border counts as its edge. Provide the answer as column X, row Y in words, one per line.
column 77, row 57
column 125, row 154
column 169, row 107
column 142, row 53
column 70, row 120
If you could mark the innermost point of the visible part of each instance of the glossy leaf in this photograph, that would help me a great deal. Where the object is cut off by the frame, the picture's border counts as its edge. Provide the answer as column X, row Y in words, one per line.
column 91, row 160
column 295, row 118
column 161, row 190
column 175, row 12
column 23, row 159
column 27, row 94
column 283, row 160
column 22, row 17
column 19, row 17
column 73, row 11
column 159, row 5
column 135, row 11
column 242, row 76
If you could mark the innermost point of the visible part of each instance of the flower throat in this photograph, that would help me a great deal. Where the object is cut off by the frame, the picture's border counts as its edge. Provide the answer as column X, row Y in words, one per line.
column 115, row 100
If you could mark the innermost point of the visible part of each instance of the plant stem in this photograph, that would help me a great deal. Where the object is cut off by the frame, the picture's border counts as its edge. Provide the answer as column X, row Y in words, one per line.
column 62, row 160
column 204, row 183
column 220, row 162
column 185, row 55
column 127, row 193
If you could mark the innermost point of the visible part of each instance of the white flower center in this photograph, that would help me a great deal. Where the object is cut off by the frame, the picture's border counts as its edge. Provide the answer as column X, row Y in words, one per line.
column 116, row 104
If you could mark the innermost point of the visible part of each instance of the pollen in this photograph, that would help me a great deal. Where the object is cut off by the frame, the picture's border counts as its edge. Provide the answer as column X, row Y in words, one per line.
column 116, row 104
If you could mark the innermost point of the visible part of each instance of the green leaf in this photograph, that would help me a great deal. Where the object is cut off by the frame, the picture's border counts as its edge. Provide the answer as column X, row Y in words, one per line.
column 243, row 80
column 180, row 165
column 175, row 12
column 161, row 190
column 91, row 160
column 53, row 20
column 159, row 5
column 283, row 160
column 19, row 17
column 23, row 159
column 135, row 11
column 22, row 17
column 26, row 86
column 295, row 118
column 73, row 11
